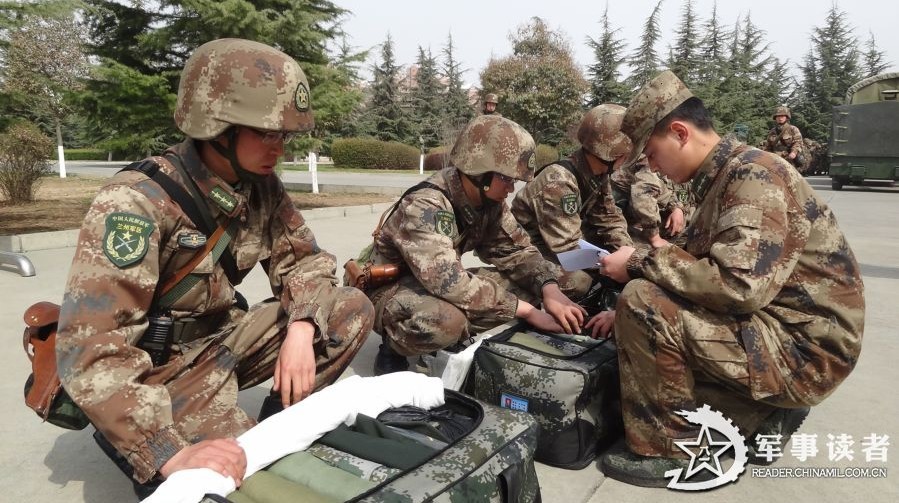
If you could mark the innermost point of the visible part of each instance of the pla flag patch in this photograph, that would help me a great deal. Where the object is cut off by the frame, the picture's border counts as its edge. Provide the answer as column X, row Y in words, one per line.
column 445, row 222
column 569, row 204
column 127, row 238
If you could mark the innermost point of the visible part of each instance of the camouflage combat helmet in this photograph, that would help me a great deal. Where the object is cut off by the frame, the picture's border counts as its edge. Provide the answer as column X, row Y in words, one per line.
column 240, row 82
column 491, row 98
column 490, row 143
column 600, row 132
column 782, row 110
column 658, row 98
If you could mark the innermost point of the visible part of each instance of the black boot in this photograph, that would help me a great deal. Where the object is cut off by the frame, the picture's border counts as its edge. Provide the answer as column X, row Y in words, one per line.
column 270, row 406
column 783, row 422
column 389, row 361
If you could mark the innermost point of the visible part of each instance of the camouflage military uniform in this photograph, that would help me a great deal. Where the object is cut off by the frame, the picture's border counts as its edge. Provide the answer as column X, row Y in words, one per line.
column 555, row 213
column 134, row 238
column 784, row 140
column 764, row 307
column 432, row 305
column 645, row 199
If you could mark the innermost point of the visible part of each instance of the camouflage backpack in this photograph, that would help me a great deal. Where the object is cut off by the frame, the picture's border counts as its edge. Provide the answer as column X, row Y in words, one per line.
column 461, row 451
column 569, row 383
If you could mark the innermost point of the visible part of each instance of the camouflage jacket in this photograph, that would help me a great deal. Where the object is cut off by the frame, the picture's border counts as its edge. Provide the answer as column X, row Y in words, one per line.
column 784, row 140
column 555, row 213
column 133, row 236
column 762, row 243
column 430, row 233
column 644, row 197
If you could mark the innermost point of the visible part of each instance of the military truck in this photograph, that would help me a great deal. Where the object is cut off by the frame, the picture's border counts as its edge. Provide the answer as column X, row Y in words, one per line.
column 864, row 133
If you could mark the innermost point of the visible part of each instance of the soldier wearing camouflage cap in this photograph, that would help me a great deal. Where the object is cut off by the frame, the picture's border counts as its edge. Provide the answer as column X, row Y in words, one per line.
column 436, row 302
column 571, row 199
column 490, row 103
column 785, row 139
column 238, row 103
column 760, row 315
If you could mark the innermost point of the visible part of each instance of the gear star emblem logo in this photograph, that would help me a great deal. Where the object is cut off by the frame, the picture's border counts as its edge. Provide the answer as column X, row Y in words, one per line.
column 707, row 450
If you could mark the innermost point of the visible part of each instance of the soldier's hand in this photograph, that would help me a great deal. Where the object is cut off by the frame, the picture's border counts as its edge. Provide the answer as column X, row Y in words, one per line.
column 601, row 324
column 295, row 368
column 537, row 318
column 222, row 455
column 615, row 264
column 568, row 314
column 675, row 222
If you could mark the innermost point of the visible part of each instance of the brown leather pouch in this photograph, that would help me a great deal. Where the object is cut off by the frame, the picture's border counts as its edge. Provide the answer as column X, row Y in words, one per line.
column 43, row 392
column 382, row 274
column 354, row 275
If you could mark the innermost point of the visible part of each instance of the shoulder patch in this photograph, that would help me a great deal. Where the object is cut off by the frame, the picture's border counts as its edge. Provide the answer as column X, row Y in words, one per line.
column 127, row 238
column 221, row 197
column 569, row 204
column 445, row 223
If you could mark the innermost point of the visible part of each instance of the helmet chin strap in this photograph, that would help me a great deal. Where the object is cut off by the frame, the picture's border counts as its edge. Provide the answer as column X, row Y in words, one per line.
column 230, row 153
column 483, row 186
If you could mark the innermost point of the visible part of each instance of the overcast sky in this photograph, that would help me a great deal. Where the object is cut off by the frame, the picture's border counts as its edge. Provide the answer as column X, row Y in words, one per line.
column 481, row 28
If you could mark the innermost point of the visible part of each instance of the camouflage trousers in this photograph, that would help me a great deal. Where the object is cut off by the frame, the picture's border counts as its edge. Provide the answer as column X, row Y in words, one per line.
column 416, row 322
column 243, row 354
column 674, row 355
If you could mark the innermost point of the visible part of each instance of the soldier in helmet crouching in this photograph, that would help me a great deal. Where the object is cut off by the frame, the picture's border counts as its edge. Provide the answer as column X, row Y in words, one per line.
column 785, row 139
column 436, row 302
column 170, row 403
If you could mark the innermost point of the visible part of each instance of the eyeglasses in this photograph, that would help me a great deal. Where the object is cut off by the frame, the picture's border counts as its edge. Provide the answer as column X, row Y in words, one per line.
column 272, row 137
column 505, row 179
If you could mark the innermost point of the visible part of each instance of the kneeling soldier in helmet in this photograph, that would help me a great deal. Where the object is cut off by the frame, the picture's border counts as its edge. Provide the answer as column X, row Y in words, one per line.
column 172, row 404
column 436, row 302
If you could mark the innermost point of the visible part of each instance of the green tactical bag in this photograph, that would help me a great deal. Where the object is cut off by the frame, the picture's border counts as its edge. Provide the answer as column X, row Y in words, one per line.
column 569, row 383
column 461, row 451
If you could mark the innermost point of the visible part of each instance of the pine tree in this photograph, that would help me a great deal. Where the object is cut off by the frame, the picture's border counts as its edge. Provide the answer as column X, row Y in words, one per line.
column 605, row 83
column 645, row 61
column 386, row 119
column 457, row 110
column 427, row 99
column 713, row 61
column 684, row 60
column 875, row 59
column 832, row 66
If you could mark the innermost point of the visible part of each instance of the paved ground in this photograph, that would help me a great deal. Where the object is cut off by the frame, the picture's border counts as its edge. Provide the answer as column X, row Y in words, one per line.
column 43, row 463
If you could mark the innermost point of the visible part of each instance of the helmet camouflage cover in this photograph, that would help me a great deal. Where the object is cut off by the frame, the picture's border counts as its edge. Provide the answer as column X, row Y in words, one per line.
column 240, row 82
column 600, row 132
column 491, row 98
column 490, row 143
column 782, row 110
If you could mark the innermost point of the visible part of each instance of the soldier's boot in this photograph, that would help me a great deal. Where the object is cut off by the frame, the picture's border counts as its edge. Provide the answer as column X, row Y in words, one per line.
column 783, row 422
column 270, row 406
column 388, row 361
column 646, row 471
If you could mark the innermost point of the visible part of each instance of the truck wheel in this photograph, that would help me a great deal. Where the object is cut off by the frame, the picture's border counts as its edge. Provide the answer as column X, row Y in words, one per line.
column 836, row 184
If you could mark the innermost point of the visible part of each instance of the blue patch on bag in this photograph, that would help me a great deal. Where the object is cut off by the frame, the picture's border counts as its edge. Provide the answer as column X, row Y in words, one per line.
column 513, row 402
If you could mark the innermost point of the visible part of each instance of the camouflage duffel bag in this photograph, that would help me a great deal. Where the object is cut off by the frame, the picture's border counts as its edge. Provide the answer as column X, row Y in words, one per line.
column 461, row 451
column 569, row 383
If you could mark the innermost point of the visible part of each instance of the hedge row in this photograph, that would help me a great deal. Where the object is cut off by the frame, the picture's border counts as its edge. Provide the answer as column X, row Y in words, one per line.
column 368, row 153
column 546, row 154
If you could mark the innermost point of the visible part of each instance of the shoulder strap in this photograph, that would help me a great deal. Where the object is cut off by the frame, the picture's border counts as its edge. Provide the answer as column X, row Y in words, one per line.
column 197, row 213
column 420, row 185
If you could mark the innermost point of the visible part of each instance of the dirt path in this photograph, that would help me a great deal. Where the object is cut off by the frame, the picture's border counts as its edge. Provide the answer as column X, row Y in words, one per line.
column 61, row 204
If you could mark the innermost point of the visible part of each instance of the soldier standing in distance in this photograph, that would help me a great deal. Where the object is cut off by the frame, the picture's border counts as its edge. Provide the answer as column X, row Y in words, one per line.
column 238, row 103
column 761, row 314
column 490, row 103
column 436, row 302
column 785, row 139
